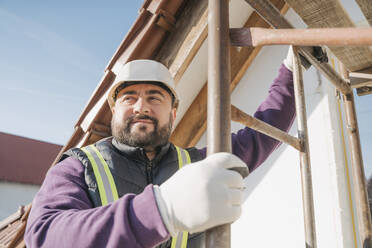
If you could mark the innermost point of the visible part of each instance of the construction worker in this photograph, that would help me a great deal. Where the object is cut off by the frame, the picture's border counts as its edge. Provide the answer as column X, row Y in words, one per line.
column 129, row 190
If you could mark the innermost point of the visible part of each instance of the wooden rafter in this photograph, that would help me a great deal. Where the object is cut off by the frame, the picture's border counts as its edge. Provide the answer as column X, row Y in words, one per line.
column 362, row 81
column 193, row 124
column 182, row 45
column 330, row 13
column 366, row 73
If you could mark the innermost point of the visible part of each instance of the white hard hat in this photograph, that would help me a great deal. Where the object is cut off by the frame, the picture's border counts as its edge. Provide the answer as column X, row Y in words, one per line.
column 142, row 70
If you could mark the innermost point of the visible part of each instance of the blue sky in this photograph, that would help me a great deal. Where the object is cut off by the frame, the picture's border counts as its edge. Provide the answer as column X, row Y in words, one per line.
column 53, row 54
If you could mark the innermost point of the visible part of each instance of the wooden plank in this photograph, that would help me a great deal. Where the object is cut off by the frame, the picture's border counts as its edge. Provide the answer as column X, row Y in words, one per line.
column 240, row 116
column 188, row 35
column 193, row 124
column 360, row 82
column 365, row 73
column 366, row 7
column 12, row 218
column 330, row 13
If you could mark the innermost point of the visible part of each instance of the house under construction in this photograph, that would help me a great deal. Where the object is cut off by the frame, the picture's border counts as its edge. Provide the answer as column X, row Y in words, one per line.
column 288, row 203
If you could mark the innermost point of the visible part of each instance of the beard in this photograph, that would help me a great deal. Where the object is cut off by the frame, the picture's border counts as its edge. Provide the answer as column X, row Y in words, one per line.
column 159, row 136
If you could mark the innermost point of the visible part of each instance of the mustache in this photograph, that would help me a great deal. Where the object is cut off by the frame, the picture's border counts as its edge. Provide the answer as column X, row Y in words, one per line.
column 141, row 117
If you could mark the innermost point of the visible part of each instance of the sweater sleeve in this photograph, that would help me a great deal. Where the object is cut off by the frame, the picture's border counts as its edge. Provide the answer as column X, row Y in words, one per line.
column 62, row 215
column 278, row 110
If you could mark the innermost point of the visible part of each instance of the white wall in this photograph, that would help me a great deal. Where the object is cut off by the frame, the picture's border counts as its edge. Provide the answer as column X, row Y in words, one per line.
column 272, row 215
column 272, row 212
column 13, row 195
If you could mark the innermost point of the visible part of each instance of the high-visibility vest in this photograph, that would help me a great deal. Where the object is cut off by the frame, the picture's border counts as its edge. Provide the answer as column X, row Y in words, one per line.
column 107, row 188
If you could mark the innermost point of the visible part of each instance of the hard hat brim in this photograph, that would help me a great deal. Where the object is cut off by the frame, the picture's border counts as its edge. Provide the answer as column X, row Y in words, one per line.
column 145, row 71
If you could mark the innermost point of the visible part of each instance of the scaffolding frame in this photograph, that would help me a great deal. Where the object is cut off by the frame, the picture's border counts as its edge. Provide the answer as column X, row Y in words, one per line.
column 219, row 105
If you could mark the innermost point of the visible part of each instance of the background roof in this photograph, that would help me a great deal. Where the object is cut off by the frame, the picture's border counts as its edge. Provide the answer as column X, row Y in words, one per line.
column 25, row 160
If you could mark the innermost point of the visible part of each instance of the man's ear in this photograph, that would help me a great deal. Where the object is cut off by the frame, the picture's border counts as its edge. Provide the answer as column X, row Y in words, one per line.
column 113, row 110
column 174, row 114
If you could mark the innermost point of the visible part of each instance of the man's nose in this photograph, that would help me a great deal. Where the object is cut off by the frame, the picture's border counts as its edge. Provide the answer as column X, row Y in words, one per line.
column 141, row 106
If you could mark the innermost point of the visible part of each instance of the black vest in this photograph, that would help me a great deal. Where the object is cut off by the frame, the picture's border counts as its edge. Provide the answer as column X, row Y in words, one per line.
column 132, row 172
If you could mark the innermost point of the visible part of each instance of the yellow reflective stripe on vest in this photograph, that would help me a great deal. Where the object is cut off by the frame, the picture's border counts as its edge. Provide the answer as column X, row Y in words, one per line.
column 114, row 191
column 105, row 181
column 183, row 157
column 107, row 188
column 180, row 241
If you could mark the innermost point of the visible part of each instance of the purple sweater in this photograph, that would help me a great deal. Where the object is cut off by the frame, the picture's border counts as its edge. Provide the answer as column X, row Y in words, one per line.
column 62, row 214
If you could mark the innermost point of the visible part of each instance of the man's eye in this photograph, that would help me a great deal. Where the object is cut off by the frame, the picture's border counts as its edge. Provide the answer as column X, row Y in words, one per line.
column 129, row 99
column 154, row 99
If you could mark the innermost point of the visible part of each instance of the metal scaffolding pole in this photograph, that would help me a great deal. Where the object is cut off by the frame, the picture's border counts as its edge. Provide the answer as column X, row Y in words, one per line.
column 256, row 124
column 305, row 167
column 247, row 37
column 359, row 179
column 272, row 15
column 218, row 120
column 301, row 37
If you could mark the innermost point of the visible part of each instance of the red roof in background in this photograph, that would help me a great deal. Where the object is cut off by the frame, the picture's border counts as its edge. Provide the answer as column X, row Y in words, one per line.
column 25, row 160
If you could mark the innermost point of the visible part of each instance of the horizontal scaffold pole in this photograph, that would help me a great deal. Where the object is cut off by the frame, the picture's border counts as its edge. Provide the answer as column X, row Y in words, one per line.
column 301, row 37
column 238, row 115
column 271, row 14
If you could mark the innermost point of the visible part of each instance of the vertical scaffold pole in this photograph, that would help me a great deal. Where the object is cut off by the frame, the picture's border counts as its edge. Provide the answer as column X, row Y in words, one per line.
column 218, row 120
column 305, row 167
column 359, row 179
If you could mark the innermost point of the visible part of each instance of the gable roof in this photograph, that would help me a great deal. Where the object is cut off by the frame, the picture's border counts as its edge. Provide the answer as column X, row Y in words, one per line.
column 25, row 160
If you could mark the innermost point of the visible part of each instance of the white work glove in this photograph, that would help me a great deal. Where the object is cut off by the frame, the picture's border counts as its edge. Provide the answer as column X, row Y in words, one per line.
column 202, row 195
column 318, row 52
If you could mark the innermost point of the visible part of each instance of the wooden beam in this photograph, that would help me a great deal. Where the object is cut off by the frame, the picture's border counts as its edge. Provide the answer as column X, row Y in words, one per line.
column 366, row 7
column 187, row 37
column 12, row 218
column 193, row 124
column 330, row 13
column 100, row 131
column 239, row 116
column 360, row 82
column 17, row 239
column 366, row 73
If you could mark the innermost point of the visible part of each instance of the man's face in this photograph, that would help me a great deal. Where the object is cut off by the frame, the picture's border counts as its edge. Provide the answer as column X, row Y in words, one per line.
column 143, row 116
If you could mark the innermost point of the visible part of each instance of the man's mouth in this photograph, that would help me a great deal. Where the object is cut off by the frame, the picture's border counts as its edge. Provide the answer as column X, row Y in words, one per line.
column 142, row 121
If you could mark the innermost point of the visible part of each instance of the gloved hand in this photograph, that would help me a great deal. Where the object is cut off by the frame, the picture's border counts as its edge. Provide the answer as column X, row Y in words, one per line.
column 202, row 195
column 316, row 51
